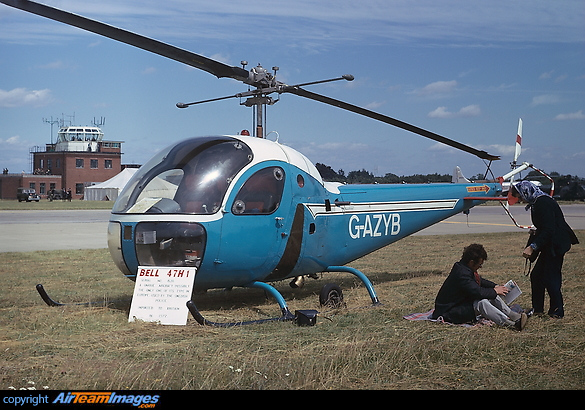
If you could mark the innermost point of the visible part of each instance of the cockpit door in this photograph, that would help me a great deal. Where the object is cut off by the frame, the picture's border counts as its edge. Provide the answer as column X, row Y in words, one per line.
column 255, row 225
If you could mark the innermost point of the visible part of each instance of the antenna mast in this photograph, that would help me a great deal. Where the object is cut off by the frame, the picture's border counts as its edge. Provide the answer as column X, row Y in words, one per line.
column 52, row 122
column 99, row 124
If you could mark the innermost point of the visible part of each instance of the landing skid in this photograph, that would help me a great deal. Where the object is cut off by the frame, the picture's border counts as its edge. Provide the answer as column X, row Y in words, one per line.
column 286, row 315
column 300, row 316
column 47, row 299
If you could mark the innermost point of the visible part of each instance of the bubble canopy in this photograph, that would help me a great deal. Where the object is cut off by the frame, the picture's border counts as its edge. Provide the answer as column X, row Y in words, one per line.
column 190, row 177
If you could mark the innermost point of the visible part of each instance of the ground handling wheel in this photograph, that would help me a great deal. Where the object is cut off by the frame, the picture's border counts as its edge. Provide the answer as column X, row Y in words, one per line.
column 331, row 296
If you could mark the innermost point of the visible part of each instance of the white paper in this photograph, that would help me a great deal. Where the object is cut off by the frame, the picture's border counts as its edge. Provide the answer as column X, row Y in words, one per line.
column 513, row 293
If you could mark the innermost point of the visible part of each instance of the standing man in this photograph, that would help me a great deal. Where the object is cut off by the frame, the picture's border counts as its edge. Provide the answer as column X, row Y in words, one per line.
column 465, row 294
column 552, row 239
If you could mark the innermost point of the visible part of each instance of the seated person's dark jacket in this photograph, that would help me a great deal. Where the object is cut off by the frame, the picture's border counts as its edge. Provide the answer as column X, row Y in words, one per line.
column 454, row 301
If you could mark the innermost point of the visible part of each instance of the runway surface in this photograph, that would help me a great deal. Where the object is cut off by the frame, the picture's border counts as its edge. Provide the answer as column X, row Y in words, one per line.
column 24, row 231
column 493, row 218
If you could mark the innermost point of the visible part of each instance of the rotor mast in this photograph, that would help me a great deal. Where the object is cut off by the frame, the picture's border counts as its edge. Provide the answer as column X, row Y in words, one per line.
column 258, row 98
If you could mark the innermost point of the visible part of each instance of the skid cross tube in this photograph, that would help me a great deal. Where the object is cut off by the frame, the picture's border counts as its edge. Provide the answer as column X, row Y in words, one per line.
column 286, row 314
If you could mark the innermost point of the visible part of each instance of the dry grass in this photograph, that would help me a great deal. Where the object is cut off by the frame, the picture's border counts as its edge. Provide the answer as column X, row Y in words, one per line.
column 357, row 347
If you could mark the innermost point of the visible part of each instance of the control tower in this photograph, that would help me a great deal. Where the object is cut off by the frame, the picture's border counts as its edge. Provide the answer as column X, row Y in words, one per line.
column 79, row 139
column 80, row 156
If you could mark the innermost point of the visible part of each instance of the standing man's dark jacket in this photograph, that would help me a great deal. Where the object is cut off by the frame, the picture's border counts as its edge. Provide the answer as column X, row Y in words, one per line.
column 553, row 234
column 454, row 301
column 553, row 239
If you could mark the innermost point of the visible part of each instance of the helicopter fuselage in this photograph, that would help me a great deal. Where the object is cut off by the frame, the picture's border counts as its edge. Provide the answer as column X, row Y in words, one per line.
column 244, row 209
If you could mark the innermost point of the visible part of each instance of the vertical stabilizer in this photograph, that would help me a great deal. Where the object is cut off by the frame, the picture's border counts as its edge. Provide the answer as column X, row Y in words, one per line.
column 518, row 141
column 518, row 149
column 458, row 177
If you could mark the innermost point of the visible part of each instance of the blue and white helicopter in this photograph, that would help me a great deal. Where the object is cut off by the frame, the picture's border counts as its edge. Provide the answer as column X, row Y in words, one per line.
column 247, row 211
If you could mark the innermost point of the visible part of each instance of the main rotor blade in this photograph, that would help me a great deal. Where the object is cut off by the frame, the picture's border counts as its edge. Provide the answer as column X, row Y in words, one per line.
column 388, row 120
column 194, row 60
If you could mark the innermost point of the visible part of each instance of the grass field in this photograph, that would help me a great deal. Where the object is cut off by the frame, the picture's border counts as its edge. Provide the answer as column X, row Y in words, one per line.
column 356, row 347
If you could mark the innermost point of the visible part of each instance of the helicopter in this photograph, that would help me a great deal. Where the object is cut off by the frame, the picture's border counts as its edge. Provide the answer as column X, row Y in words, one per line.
column 246, row 211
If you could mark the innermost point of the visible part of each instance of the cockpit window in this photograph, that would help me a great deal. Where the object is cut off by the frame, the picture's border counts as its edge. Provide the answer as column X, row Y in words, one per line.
column 261, row 193
column 189, row 177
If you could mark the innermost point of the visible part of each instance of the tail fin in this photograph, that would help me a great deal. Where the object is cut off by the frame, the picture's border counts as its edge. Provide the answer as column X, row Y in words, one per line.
column 518, row 140
column 518, row 147
column 513, row 164
column 458, row 177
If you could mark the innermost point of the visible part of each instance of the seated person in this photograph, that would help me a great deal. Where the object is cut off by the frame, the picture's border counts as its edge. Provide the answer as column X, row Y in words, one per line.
column 465, row 294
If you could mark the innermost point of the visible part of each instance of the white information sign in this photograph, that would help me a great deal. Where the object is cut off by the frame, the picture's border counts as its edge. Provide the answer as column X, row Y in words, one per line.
column 161, row 294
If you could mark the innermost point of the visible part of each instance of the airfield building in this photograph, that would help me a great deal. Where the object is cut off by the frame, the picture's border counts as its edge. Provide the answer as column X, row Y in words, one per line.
column 80, row 158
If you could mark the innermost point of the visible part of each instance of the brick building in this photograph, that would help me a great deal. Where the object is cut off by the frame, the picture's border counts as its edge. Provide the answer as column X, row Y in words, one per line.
column 79, row 158
column 9, row 183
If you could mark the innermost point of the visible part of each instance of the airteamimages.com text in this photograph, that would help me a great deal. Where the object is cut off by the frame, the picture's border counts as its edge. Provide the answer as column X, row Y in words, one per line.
column 77, row 398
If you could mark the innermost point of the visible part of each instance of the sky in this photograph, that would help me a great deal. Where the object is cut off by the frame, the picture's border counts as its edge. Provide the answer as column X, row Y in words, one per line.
column 467, row 70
